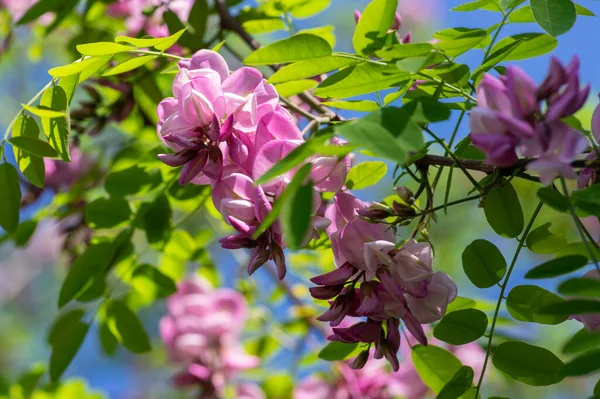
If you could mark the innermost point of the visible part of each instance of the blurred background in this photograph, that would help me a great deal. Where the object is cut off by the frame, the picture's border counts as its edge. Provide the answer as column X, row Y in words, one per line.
column 31, row 275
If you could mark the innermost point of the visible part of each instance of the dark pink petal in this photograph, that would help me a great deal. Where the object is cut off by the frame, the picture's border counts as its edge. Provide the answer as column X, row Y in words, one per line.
column 227, row 128
column 279, row 259
column 336, row 277
column 214, row 166
column 193, row 167
column 415, row 328
column 258, row 257
column 325, row 292
column 177, row 159
column 214, row 131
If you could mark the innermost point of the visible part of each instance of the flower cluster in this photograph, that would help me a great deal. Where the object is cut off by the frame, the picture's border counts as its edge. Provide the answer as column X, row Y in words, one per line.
column 133, row 11
column 228, row 129
column 202, row 331
column 61, row 175
column 374, row 381
column 515, row 117
column 378, row 281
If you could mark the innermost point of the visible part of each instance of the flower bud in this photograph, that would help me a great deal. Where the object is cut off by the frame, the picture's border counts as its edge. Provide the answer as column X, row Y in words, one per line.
column 405, row 194
column 403, row 210
column 360, row 360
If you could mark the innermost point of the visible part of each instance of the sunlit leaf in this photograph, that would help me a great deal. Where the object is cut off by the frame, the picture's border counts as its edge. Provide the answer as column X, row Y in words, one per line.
column 337, row 351
column 554, row 16
column 57, row 127
column 365, row 174
column 542, row 241
column 373, row 25
column 129, row 65
column 310, row 68
column 103, row 48
column 299, row 47
column 31, row 166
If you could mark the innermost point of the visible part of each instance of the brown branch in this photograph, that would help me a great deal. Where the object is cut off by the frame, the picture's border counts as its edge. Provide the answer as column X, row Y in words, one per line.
column 228, row 22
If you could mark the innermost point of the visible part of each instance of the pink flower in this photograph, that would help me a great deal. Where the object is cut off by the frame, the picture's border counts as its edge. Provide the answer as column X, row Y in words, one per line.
column 136, row 21
column 249, row 391
column 201, row 331
column 515, row 117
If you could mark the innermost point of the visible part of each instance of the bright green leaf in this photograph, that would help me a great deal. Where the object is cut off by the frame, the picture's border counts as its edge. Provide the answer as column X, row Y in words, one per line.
column 129, row 65
column 33, row 146
column 337, row 351
column 103, row 48
column 455, row 41
column 310, row 68
column 57, row 128
column 398, row 51
column 31, row 166
column 353, row 105
column 373, row 25
column 460, row 383
column 299, row 47
column 530, row 45
column 294, row 87
column 365, row 174
column 483, row 263
column 268, row 25
column 542, row 241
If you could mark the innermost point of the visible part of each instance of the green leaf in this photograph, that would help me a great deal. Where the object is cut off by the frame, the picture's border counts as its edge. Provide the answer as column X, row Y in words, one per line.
column 389, row 133
column 528, row 364
column 10, row 198
column 581, row 10
column 579, row 248
column 582, row 341
column 160, row 43
column 488, row 5
column 57, row 128
column 542, row 241
column 525, row 303
column 461, row 326
column 62, row 323
column 415, row 64
column 553, row 199
column 150, row 281
column 24, row 232
column 522, row 15
column 103, row 48
column 127, row 328
column 360, row 79
column 581, row 287
column 105, row 213
column 85, row 68
column 33, row 146
column 69, row 85
column 557, row 267
column 324, row 32
column 299, row 47
column 133, row 180
column 353, row 105
column 307, row 8
column 572, row 307
column 554, row 16
column 483, row 263
column 449, row 73
column 197, row 20
column 296, row 216
column 503, row 210
column 337, row 351
column 530, row 45
column 460, row 303
column 495, row 57
column 278, row 386
column 43, row 111
column 436, row 367
column 455, row 41
column 66, row 347
column 129, row 65
column 365, row 174
column 267, row 25
column 31, row 166
column 186, row 192
column 460, row 383
column 157, row 219
column 583, row 364
column 30, row 379
column 588, row 199
column 310, row 68
column 38, row 9
column 94, row 260
column 406, row 50
column 373, row 25
column 279, row 204
column 292, row 88
column 108, row 341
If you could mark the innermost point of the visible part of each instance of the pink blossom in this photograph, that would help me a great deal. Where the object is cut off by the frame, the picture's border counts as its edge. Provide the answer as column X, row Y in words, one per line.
column 201, row 331
column 515, row 117
column 135, row 20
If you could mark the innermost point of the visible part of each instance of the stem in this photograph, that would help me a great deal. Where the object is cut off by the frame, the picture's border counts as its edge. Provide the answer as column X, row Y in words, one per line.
column 450, row 86
column 502, row 290
column 578, row 224
column 157, row 53
column 456, row 161
column 460, row 201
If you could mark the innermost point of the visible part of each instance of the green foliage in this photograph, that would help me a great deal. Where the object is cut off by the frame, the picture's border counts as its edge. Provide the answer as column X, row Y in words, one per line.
column 299, row 47
column 460, row 383
column 580, row 287
column 127, row 328
column 365, row 174
column 553, row 199
column 554, row 16
column 527, row 303
column 530, row 45
column 461, row 326
column 483, row 263
column 528, row 364
column 104, row 213
column 542, row 241
column 581, row 341
column 296, row 215
column 588, row 199
column 10, row 197
column 65, row 347
column 557, row 267
column 503, row 210
column 278, row 386
column 373, row 25
column 312, row 67
column 31, row 166
column 338, row 351
column 56, row 127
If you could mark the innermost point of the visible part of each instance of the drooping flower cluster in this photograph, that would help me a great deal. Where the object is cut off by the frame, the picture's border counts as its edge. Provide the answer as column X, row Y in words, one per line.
column 201, row 331
column 515, row 117
column 227, row 130
column 375, row 381
column 61, row 175
column 378, row 281
column 133, row 11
